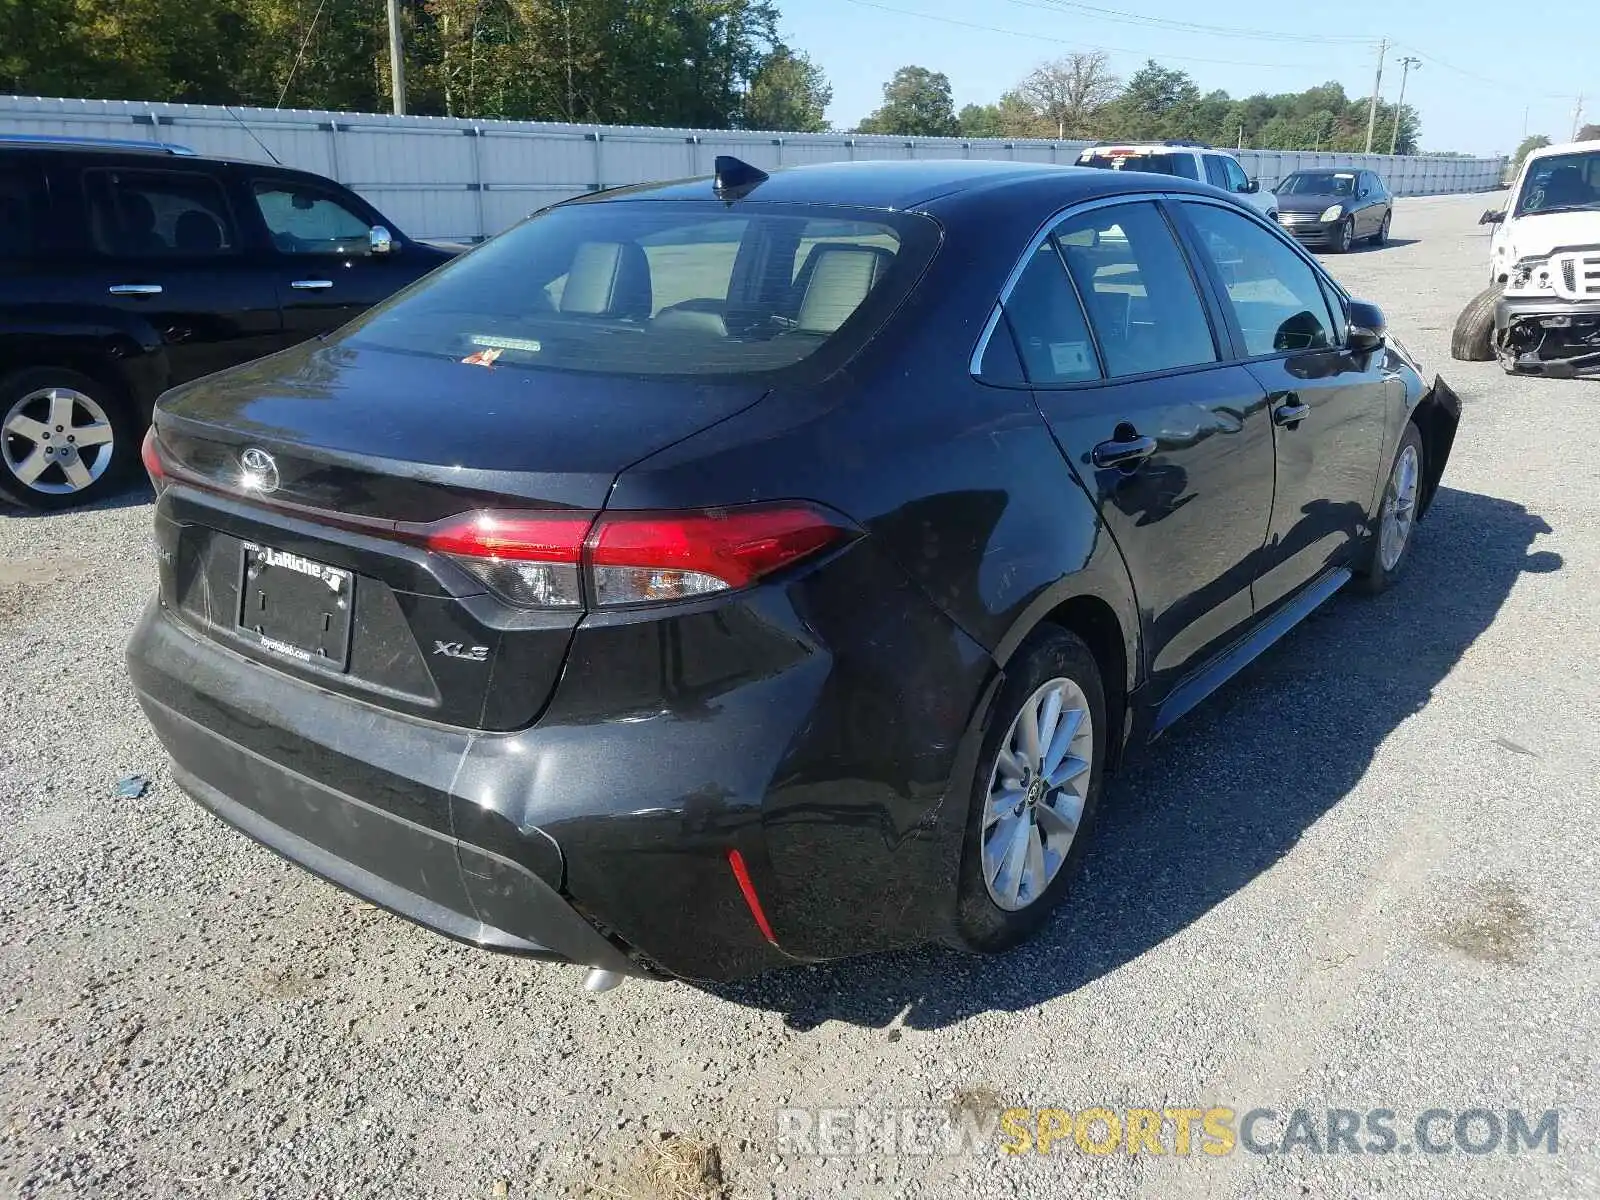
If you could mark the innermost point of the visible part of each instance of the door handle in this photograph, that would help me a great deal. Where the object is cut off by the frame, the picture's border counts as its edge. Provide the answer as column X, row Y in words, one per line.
column 135, row 289
column 1127, row 452
column 1291, row 411
column 312, row 285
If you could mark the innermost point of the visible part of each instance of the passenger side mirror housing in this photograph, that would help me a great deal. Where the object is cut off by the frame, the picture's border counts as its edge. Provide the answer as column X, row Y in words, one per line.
column 380, row 240
column 1253, row 186
column 1492, row 217
column 1367, row 326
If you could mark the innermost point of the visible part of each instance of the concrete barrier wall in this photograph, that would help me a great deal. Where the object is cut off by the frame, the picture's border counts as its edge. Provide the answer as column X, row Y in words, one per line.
column 458, row 179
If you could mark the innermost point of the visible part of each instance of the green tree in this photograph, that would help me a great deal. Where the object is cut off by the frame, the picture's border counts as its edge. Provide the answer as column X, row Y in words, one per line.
column 1153, row 103
column 916, row 103
column 1537, row 141
column 789, row 92
column 980, row 121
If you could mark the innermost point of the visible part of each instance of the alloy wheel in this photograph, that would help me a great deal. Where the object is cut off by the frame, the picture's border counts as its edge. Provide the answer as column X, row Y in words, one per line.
column 1036, row 794
column 1347, row 232
column 1399, row 508
column 56, row 441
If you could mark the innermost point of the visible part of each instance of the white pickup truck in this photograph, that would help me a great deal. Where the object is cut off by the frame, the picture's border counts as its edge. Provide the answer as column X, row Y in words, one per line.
column 1540, row 314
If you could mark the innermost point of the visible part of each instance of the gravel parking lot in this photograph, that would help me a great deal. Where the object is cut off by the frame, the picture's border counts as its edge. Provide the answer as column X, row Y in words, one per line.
column 1362, row 877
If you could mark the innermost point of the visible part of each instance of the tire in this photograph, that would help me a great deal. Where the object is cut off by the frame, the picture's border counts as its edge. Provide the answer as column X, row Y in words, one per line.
column 40, row 408
column 1053, row 661
column 1381, row 238
column 1472, row 340
column 1345, row 239
column 1380, row 565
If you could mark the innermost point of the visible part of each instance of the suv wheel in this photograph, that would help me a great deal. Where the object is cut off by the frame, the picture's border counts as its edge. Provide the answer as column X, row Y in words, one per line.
column 1035, row 793
column 65, row 438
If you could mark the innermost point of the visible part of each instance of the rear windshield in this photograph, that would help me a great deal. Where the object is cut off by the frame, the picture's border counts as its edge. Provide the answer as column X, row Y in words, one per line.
column 1156, row 164
column 662, row 288
column 1318, row 183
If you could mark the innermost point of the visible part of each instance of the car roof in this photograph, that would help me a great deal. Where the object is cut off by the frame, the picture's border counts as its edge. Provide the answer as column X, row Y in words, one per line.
column 906, row 185
column 1565, row 148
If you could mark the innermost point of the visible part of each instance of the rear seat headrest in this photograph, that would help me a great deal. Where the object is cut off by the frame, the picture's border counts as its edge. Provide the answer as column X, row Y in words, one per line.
column 610, row 279
column 841, row 278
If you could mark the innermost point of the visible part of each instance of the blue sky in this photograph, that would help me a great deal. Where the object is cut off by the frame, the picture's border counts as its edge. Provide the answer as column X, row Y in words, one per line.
column 1482, row 65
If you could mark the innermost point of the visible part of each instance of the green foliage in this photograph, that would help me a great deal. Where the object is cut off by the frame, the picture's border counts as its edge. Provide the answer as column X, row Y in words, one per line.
column 789, row 92
column 650, row 62
column 916, row 103
column 1529, row 144
column 980, row 121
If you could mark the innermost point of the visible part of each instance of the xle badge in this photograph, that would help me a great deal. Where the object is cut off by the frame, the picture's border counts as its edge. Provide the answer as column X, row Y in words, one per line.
column 462, row 650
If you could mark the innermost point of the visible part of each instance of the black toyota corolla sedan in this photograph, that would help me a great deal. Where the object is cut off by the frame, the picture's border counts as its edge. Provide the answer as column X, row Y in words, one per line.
column 714, row 575
column 1335, row 209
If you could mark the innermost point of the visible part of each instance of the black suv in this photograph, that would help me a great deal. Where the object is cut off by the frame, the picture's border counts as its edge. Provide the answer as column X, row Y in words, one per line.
column 129, row 267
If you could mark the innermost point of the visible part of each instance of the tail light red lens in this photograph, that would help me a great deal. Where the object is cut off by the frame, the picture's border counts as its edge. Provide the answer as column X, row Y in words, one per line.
column 537, row 560
column 150, row 455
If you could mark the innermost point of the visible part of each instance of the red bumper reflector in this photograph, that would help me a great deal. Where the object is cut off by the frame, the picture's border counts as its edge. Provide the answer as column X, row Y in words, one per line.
column 736, row 861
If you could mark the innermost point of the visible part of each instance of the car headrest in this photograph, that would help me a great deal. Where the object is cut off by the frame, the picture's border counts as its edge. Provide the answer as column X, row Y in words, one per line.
column 196, row 232
column 841, row 278
column 610, row 279
column 701, row 316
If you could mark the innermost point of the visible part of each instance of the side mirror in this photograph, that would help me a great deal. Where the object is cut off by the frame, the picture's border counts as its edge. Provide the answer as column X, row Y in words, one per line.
column 1492, row 217
column 380, row 240
column 1367, row 326
column 1253, row 186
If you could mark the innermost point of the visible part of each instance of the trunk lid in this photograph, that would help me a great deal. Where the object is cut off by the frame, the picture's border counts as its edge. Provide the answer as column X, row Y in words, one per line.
column 303, row 465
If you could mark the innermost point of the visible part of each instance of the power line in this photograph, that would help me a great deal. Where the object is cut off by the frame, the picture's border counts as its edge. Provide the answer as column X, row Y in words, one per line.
column 1128, row 18
column 1039, row 37
column 1492, row 82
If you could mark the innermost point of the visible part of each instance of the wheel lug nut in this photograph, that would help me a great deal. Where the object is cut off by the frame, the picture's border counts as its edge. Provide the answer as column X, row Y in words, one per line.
column 59, row 428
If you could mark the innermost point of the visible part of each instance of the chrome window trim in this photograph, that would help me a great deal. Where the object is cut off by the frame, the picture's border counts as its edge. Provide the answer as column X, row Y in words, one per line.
column 975, row 362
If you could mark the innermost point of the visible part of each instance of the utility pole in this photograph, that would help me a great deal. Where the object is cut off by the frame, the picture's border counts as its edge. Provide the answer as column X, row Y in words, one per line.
column 1377, row 87
column 1406, row 64
column 1577, row 118
column 397, row 60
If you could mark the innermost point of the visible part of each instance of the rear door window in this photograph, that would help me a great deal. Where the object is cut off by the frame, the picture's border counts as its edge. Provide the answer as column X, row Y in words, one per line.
column 649, row 288
column 1277, row 299
column 1142, row 302
column 160, row 214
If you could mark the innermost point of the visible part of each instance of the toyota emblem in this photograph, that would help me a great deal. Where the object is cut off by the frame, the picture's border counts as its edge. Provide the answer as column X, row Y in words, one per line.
column 260, row 471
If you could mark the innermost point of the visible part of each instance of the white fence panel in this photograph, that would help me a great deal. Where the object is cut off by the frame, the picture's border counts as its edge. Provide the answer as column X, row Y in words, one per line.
column 460, row 179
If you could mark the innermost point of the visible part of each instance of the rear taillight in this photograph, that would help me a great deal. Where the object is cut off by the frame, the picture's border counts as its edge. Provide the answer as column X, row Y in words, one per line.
column 150, row 454
column 540, row 560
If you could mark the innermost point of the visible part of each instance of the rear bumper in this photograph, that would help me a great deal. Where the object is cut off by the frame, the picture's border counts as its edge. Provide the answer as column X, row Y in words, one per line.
column 1555, row 338
column 408, row 866
column 833, row 750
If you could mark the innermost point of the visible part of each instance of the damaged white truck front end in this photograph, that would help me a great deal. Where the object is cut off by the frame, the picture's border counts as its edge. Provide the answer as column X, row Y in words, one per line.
column 1545, row 272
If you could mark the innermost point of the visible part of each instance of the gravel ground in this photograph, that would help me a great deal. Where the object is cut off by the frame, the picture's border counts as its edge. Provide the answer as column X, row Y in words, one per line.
column 1362, row 877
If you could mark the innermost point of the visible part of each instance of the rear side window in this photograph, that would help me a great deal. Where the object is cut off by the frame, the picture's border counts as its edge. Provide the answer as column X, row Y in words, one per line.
column 1143, row 305
column 161, row 214
column 651, row 288
column 1052, row 335
column 309, row 221
column 1157, row 164
column 1276, row 296
column 24, row 210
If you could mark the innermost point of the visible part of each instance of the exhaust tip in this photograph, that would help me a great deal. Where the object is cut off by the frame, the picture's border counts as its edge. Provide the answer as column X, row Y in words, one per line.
column 598, row 980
